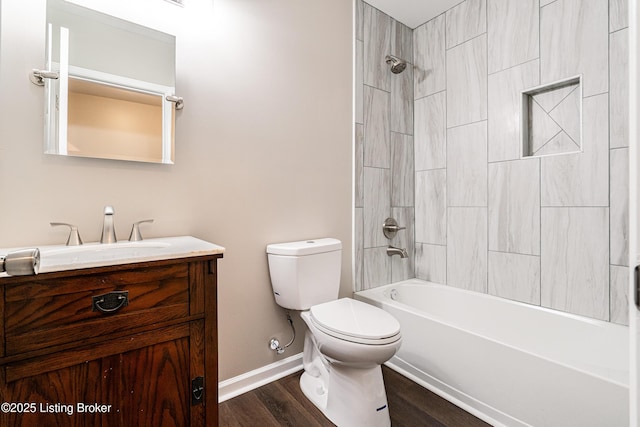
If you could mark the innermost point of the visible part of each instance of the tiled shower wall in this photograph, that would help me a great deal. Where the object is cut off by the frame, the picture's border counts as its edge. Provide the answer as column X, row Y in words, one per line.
column 549, row 230
column 384, row 174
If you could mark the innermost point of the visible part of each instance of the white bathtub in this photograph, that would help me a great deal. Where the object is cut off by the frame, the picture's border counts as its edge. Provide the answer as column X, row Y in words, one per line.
column 509, row 363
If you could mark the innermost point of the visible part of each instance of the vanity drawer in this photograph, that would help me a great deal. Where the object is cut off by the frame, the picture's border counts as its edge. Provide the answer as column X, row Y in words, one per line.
column 48, row 312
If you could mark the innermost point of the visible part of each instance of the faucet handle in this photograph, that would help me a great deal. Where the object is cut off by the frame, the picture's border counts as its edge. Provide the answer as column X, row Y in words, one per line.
column 135, row 230
column 390, row 228
column 74, row 236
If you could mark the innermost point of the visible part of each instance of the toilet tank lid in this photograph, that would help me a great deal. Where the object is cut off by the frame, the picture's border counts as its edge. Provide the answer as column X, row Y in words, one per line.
column 305, row 247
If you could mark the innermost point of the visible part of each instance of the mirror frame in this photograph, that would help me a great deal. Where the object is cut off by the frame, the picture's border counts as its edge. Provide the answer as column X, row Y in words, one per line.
column 57, row 94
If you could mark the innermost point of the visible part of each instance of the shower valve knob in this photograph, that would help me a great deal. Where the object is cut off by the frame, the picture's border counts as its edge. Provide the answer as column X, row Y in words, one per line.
column 390, row 228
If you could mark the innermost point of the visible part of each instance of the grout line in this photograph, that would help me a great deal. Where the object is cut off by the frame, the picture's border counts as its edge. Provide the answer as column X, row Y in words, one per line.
column 540, row 228
column 488, row 142
column 446, row 144
column 609, row 305
column 511, row 67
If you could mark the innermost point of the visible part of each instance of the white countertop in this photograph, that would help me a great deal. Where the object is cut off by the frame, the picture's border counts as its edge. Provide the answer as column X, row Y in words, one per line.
column 61, row 257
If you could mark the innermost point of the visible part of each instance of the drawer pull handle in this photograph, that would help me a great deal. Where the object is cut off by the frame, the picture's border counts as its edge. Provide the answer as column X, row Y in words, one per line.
column 111, row 302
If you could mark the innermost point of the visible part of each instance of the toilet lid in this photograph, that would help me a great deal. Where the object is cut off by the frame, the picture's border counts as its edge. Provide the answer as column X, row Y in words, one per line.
column 356, row 321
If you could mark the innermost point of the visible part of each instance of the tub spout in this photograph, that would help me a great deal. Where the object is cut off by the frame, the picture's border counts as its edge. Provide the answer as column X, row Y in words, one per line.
column 391, row 251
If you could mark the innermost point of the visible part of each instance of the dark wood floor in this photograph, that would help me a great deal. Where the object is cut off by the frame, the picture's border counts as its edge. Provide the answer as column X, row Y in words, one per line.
column 282, row 403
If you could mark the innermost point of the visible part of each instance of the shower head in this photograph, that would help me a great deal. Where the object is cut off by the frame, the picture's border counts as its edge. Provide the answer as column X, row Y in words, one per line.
column 397, row 65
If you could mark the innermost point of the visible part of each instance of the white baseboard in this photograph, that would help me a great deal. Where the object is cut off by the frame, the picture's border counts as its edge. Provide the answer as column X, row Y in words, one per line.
column 248, row 381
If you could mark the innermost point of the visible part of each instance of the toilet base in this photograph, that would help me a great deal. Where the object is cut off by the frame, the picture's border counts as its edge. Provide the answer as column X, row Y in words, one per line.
column 347, row 396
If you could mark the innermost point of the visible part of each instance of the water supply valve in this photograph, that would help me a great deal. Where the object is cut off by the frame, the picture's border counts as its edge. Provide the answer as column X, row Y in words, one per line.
column 274, row 345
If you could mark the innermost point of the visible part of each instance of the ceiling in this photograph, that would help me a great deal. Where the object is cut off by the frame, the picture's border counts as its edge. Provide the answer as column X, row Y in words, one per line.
column 413, row 13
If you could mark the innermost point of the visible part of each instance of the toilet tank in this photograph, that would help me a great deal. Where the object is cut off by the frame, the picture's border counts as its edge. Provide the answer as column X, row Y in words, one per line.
column 305, row 273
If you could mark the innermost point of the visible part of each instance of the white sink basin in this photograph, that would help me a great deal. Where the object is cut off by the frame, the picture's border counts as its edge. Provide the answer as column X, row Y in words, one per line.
column 96, row 252
column 59, row 258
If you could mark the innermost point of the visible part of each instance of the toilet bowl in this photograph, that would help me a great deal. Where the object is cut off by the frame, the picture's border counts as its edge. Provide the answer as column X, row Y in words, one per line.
column 353, row 333
column 346, row 341
column 342, row 364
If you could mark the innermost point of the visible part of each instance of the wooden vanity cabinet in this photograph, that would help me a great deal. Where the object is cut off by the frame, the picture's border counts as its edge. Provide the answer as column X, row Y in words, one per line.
column 150, row 360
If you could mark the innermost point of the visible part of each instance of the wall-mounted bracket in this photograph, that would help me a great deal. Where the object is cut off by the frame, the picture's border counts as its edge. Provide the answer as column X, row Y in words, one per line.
column 177, row 99
column 37, row 76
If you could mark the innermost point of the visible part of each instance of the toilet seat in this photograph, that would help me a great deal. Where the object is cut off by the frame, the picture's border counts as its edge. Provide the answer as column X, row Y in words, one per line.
column 355, row 321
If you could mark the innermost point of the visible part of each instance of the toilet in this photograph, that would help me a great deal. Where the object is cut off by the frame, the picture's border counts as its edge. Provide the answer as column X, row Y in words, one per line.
column 346, row 341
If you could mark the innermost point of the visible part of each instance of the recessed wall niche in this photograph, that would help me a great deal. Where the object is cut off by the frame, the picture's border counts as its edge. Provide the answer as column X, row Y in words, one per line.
column 551, row 117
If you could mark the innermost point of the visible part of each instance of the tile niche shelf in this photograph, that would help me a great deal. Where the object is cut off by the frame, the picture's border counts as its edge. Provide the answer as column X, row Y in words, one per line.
column 551, row 117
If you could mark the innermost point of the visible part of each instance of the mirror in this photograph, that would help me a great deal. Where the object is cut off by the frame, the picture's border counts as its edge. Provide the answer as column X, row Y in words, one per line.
column 113, row 97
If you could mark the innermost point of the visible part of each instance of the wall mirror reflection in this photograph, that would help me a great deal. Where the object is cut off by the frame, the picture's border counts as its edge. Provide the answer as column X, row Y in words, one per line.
column 109, row 87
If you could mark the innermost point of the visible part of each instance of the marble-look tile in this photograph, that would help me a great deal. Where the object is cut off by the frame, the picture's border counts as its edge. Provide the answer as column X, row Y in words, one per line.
column 514, row 206
column 401, row 41
column 619, row 295
column 618, row 14
column 359, row 83
column 619, row 89
column 467, row 82
column 429, row 58
column 377, row 205
column 405, row 216
column 466, row 21
column 546, row 2
column 358, row 166
column 359, row 20
column 358, row 248
column 376, row 128
column 430, row 132
column 542, row 128
column 567, row 115
column 574, row 39
column 402, row 84
column 575, row 260
column 431, row 263
column 619, row 186
column 402, row 101
column 549, row 98
column 467, row 165
column 377, row 43
column 377, row 267
column 403, row 268
column 581, row 179
column 561, row 143
column 554, row 121
column 514, row 276
column 505, row 101
column 512, row 32
column 467, row 248
column 402, row 173
column 431, row 207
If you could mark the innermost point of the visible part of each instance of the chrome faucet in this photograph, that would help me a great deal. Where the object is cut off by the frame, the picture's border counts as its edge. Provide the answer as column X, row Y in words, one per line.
column 391, row 251
column 108, row 229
